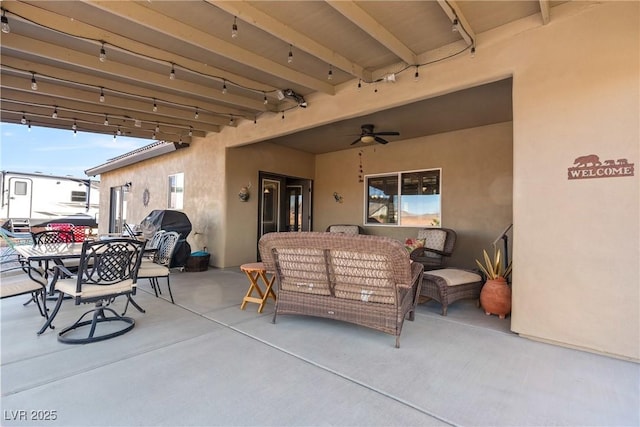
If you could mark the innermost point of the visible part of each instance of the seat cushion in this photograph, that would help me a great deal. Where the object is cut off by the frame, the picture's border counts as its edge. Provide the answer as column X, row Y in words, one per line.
column 151, row 269
column 454, row 277
column 68, row 286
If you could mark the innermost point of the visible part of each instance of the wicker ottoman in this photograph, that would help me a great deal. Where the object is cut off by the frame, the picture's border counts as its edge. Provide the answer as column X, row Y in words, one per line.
column 450, row 284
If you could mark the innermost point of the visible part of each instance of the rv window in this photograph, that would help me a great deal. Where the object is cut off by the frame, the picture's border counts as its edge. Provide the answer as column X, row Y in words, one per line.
column 78, row 196
column 20, row 188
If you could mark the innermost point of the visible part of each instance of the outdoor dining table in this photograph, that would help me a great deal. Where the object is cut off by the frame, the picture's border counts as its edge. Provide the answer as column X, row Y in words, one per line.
column 49, row 252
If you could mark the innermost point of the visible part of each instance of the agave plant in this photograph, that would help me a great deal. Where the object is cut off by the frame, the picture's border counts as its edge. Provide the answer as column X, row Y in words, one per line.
column 494, row 268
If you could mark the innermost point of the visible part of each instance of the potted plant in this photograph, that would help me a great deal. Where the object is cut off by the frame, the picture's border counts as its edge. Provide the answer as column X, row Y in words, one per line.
column 495, row 296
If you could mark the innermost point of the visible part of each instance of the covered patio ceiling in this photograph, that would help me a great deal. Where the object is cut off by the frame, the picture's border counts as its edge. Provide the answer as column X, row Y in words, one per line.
column 170, row 70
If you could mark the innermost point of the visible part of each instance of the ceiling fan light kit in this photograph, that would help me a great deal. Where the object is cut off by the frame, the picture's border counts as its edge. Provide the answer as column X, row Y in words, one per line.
column 367, row 135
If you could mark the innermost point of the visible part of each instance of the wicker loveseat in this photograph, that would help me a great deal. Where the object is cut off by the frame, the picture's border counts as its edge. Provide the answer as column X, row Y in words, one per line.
column 366, row 280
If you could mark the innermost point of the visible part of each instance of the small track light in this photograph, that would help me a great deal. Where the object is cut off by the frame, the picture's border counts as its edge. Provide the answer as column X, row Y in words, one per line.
column 266, row 101
column 359, row 84
column 118, row 132
column 224, row 87
column 23, row 120
column 106, row 120
column 29, row 125
column 101, row 95
column 231, row 122
column 153, row 135
column 74, row 126
column 157, row 127
column 190, row 131
column 34, row 83
column 5, row 24
column 55, row 113
column 330, row 74
column 172, row 74
column 196, row 115
column 155, row 106
column 290, row 57
column 454, row 27
column 473, row 51
column 416, row 76
column 103, row 54
column 234, row 28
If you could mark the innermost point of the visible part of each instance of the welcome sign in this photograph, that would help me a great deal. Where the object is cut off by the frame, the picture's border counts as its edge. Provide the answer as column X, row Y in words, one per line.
column 590, row 166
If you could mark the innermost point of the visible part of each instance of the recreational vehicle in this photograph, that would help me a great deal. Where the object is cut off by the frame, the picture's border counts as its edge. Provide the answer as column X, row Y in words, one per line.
column 39, row 198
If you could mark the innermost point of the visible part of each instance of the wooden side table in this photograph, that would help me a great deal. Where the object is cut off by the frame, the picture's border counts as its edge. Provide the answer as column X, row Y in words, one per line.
column 255, row 272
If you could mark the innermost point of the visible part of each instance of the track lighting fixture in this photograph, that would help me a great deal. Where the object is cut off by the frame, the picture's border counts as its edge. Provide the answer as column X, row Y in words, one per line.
column 196, row 115
column 118, row 132
column 416, row 76
column 454, row 27
column 266, row 101
column 290, row 58
column 190, row 131
column 114, row 136
column 101, row 95
column 23, row 120
column 106, row 120
column 74, row 126
column 155, row 106
column 473, row 51
column 157, row 127
column 55, row 113
column 231, row 122
column 359, row 84
column 5, row 23
column 29, row 125
column 103, row 54
column 283, row 115
column 172, row 74
column 330, row 74
column 153, row 135
column 234, row 28
column 224, row 87
column 34, row 83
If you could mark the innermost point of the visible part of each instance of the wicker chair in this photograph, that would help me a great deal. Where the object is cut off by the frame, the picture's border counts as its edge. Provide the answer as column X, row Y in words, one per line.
column 438, row 243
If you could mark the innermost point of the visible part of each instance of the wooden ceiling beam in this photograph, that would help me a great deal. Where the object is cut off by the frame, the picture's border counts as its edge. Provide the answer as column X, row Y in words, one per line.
column 451, row 8
column 362, row 19
column 545, row 11
column 41, row 14
column 155, row 21
column 265, row 22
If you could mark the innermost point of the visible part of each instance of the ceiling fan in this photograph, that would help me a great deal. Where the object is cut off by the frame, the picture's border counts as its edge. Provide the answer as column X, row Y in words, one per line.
column 367, row 135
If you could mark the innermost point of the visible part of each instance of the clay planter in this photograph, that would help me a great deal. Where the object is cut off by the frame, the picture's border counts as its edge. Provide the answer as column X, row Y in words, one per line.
column 495, row 297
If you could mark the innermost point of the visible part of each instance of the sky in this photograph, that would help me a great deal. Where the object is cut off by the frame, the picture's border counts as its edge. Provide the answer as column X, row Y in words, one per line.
column 58, row 151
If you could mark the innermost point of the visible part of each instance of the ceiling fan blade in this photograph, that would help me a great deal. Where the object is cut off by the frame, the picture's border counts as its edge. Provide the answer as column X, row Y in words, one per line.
column 387, row 133
column 381, row 141
column 356, row 141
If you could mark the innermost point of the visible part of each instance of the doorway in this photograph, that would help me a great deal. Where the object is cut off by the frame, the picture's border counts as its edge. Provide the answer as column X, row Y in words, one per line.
column 284, row 205
column 118, row 209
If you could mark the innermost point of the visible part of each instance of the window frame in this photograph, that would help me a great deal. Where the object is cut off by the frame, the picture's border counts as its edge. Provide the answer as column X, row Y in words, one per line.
column 175, row 199
column 398, row 175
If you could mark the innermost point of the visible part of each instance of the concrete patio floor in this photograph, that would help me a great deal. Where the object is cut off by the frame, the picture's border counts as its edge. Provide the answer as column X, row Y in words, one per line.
column 203, row 361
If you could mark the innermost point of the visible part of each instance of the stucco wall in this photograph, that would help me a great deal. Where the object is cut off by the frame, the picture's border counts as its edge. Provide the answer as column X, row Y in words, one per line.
column 476, row 184
column 243, row 166
column 204, row 192
column 575, row 92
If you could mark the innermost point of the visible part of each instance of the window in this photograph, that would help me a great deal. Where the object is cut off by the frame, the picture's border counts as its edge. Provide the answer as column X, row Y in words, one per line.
column 20, row 188
column 176, row 191
column 78, row 196
column 410, row 199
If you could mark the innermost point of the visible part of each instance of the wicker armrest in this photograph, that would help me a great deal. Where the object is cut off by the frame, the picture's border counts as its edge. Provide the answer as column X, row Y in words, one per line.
column 420, row 252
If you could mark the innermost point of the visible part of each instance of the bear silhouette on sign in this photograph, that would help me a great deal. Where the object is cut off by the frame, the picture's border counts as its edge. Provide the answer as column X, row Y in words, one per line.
column 589, row 160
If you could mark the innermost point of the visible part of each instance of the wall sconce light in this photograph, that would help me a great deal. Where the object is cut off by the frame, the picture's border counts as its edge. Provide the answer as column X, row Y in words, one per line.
column 127, row 187
column 337, row 197
column 244, row 193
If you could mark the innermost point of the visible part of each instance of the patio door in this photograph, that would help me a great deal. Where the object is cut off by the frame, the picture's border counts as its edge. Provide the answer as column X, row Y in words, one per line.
column 284, row 205
column 117, row 210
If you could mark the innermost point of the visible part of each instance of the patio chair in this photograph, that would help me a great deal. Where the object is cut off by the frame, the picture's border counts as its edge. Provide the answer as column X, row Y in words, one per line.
column 435, row 245
column 79, row 231
column 108, row 269
column 159, row 266
column 8, row 256
column 345, row 229
column 25, row 280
